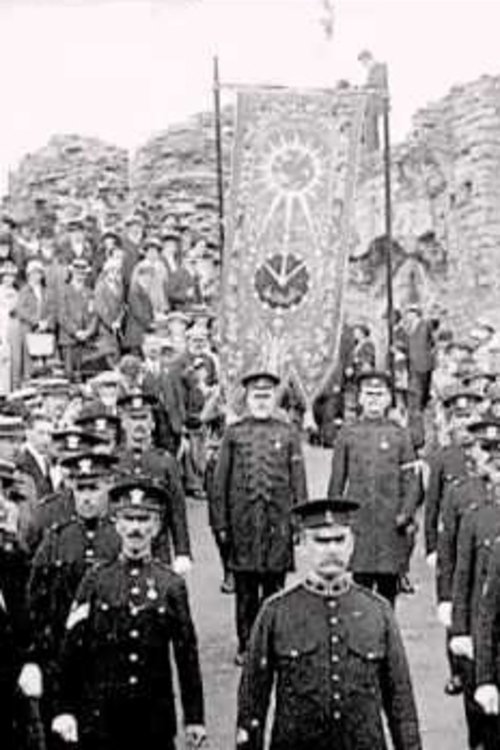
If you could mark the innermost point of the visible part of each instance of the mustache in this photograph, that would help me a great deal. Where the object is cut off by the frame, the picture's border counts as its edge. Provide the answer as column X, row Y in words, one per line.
column 135, row 535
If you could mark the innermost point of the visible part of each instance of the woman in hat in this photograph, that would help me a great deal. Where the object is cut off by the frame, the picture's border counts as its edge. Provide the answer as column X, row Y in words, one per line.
column 108, row 303
column 32, row 311
column 9, row 330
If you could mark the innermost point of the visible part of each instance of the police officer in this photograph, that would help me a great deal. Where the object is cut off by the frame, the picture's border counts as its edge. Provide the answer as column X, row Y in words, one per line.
column 67, row 551
column 479, row 528
column 116, row 686
column 447, row 462
column 259, row 477
column 374, row 457
column 139, row 454
column 334, row 650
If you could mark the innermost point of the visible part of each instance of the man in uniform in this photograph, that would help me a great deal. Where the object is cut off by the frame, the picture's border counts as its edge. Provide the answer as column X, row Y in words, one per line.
column 138, row 454
column 334, row 650
column 447, row 463
column 374, row 457
column 259, row 477
column 479, row 529
column 67, row 551
column 116, row 687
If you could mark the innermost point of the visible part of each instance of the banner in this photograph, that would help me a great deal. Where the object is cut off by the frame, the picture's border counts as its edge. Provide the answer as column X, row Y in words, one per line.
column 286, row 252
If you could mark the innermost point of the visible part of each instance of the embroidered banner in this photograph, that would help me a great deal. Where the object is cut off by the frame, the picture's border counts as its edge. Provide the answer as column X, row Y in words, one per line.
column 286, row 253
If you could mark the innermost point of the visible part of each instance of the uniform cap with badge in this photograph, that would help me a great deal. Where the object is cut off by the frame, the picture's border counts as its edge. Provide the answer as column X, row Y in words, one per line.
column 260, row 379
column 462, row 400
column 89, row 467
column 137, row 494
column 326, row 512
column 74, row 440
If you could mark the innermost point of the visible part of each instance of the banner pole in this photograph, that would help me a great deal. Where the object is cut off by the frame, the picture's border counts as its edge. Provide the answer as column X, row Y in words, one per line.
column 388, row 241
column 218, row 156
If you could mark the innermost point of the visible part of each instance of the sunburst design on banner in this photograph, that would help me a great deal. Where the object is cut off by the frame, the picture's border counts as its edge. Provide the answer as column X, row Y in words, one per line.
column 285, row 258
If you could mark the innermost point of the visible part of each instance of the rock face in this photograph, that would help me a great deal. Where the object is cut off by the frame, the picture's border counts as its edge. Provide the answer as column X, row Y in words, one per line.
column 446, row 208
column 446, row 198
column 71, row 175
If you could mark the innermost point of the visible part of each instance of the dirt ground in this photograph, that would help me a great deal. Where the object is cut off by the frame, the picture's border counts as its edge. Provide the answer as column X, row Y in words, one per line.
column 441, row 717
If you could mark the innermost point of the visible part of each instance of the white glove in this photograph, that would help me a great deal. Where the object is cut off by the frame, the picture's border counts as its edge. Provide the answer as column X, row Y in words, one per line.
column 30, row 681
column 431, row 560
column 444, row 614
column 487, row 697
column 182, row 565
column 461, row 645
column 66, row 727
column 242, row 736
column 196, row 734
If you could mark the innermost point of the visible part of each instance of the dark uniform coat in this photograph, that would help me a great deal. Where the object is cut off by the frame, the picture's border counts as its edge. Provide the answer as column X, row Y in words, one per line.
column 462, row 495
column 53, row 509
column 374, row 463
column 116, row 676
column 339, row 661
column 479, row 529
column 161, row 466
column 445, row 465
column 260, row 476
column 61, row 561
column 488, row 624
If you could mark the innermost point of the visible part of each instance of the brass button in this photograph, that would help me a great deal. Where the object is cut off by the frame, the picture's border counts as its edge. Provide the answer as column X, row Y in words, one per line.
column 335, row 678
column 135, row 591
column 133, row 658
column 335, row 639
column 335, row 658
column 134, row 572
column 134, row 634
column 132, row 680
column 336, row 696
column 334, row 620
column 336, row 715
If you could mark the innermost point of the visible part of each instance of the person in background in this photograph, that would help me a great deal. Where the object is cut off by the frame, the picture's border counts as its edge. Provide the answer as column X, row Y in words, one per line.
column 77, row 320
column 10, row 360
column 108, row 302
column 140, row 311
column 420, row 356
column 32, row 311
column 374, row 459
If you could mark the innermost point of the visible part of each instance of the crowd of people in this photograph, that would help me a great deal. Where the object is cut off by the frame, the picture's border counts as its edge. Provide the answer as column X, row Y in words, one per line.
column 112, row 413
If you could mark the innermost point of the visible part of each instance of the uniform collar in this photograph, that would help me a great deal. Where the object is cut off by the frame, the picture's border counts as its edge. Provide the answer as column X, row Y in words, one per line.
column 317, row 585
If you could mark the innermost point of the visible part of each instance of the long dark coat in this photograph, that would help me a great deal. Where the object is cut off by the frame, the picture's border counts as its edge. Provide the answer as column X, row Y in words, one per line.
column 259, row 477
column 373, row 463
column 339, row 663
column 478, row 531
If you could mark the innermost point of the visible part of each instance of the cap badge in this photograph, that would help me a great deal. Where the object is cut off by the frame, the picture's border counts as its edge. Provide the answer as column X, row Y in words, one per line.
column 329, row 517
column 491, row 431
column 384, row 444
column 73, row 442
column 85, row 465
column 462, row 402
column 136, row 496
column 100, row 425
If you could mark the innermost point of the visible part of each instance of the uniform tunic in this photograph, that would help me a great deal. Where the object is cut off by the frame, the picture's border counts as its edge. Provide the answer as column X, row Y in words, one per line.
column 488, row 624
column 478, row 531
column 374, row 463
column 338, row 661
column 66, row 553
column 260, row 476
column 446, row 464
column 462, row 495
column 116, row 676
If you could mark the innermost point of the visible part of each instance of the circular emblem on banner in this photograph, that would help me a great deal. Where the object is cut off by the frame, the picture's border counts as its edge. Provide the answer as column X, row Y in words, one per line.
column 282, row 281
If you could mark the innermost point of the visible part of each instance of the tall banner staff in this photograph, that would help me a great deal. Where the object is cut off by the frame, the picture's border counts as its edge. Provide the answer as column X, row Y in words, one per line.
column 378, row 108
column 388, row 231
column 218, row 154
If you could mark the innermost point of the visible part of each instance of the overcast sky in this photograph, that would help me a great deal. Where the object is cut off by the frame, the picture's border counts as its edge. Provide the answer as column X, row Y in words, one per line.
column 123, row 70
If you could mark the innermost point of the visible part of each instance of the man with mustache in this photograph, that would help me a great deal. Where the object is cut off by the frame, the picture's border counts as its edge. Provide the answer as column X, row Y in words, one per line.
column 332, row 648
column 116, row 685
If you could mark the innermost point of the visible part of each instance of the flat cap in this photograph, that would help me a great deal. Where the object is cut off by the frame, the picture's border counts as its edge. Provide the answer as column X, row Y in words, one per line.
column 325, row 512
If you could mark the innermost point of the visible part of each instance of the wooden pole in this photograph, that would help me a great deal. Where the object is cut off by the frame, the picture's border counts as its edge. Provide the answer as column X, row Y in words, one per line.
column 388, row 240
column 218, row 155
